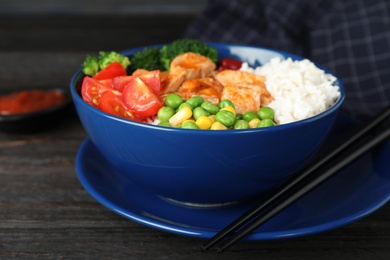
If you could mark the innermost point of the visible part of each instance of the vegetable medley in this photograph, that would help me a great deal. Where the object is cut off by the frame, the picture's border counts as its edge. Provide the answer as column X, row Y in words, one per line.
column 195, row 113
column 177, row 86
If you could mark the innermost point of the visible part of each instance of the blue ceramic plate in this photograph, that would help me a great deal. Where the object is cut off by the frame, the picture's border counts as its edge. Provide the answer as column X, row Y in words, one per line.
column 356, row 191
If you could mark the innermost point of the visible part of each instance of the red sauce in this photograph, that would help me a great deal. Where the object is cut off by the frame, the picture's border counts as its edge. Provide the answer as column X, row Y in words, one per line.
column 29, row 101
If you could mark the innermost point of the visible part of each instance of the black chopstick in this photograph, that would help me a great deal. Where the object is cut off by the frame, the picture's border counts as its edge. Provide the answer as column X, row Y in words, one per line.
column 343, row 156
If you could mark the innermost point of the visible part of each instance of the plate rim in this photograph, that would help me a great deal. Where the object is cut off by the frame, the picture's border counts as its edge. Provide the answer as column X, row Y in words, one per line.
column 207, row 233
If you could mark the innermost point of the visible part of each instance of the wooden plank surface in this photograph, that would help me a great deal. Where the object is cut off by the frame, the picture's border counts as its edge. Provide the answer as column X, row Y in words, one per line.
column 47, row 50
column 44, row 211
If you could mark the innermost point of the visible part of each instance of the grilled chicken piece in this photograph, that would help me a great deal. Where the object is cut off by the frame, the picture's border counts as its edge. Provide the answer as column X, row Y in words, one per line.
column 246, row 90
column 205, row 86
column 170, row 83
column 193, row 64
column 186, row 66
column 245, row 98
column 236, row 77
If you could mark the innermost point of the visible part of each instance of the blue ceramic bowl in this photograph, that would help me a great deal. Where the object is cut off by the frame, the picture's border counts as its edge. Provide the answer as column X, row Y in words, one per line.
column 206, row 168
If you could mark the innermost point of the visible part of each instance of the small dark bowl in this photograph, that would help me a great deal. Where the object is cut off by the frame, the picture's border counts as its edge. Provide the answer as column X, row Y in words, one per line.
column 36, row 120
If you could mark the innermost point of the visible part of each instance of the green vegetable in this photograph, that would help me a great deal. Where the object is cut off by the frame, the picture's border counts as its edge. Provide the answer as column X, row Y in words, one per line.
column 185, row 104
column 165, row 113
column 148, row 59
column 195, row 101
column 210, row 107
column 198, row 112
column 170, row 51
column 226, row 118
column 105, row 58
column 173, row 100
column 266, row 113
column 248, row 116
column 241, row 124
column 164, row 123
column 93, row 65
column 90, row 65
column 189, row 125
column 225, row 103
column 265, row 123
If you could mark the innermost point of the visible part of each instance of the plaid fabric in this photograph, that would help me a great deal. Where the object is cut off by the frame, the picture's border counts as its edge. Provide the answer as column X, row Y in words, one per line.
column 351, row 38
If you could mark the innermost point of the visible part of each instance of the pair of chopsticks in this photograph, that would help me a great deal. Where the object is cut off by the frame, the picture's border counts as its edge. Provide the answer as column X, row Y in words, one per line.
column 367, row 137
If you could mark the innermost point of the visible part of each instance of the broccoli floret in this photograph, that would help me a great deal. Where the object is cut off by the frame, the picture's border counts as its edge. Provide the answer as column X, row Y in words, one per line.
column 90, row 65
column 105, row 58
column 148, row 59
column 170, row 51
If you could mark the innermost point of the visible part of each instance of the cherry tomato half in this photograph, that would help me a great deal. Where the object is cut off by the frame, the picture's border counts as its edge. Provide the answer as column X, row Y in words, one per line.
column 152, row 80
column 112, row 104
column 120, row 82
column 141, row 99
column 92, row 90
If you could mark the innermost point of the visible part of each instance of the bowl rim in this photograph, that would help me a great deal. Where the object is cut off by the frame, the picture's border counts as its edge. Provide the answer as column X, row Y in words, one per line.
column 338, row 103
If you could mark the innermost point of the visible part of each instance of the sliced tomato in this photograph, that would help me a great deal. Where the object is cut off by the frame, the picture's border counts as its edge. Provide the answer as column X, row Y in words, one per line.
column 91, row 90
column 115, row 69
column 120, row 82
column 112, row 104
column 152, row 80
column 107, row 82
column 138, row 97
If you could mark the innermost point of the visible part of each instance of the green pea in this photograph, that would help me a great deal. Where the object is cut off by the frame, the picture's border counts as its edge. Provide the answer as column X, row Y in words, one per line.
column 164, row 123
column 248, row 116
column 189, row 125
column 165, row 113
column 266, row 113
column 173, row 100
column 198, row 112
column 210, row 107
column 225, row 103
column 185, row 104
column 195, row 101
column 225, row 117
column 265, row 122
column 241, row 124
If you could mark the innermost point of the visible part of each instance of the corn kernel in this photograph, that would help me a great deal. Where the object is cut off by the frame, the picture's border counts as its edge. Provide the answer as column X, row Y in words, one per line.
column 253, row 123
column 204, row 122
column 212, row 117
column 218, row 126
column 180, row 116
column 229, row 108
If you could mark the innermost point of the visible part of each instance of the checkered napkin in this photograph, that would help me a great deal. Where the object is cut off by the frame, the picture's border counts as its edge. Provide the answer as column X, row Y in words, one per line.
column 351, row 38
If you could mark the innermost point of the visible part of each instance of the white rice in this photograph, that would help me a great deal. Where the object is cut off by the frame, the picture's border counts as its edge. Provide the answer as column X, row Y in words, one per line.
column 300, row 89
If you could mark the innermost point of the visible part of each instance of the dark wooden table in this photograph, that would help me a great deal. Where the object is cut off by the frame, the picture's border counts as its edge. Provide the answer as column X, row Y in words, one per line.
column 44, row 211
